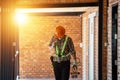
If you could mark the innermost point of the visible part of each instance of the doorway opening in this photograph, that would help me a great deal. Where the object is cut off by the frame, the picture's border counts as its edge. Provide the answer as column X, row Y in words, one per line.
column 36, row 31
column 114, row 40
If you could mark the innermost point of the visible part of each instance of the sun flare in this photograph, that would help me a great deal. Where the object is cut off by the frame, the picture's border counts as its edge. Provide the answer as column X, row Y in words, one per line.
column 21, row 18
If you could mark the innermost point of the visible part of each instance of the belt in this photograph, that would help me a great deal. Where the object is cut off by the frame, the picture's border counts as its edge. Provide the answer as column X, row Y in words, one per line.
column 60, row 59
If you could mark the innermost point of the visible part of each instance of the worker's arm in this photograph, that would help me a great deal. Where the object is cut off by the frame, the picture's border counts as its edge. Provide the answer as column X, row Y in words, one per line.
column 73, row 52
column 52, row 45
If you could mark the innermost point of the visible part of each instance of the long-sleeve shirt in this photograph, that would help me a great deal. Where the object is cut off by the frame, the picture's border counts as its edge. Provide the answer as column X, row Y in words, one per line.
column 69, row 48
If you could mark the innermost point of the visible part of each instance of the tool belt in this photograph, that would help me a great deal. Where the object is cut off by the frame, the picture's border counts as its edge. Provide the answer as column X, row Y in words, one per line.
column 61, row 59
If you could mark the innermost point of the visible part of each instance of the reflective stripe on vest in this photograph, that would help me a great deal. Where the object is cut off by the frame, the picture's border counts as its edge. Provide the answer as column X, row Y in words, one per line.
column 63, row 48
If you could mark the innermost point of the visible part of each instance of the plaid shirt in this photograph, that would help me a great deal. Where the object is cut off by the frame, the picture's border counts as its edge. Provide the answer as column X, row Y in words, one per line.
column 69, row 48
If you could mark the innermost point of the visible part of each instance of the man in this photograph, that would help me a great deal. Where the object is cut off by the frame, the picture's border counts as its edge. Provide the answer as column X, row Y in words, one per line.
column 63, row 50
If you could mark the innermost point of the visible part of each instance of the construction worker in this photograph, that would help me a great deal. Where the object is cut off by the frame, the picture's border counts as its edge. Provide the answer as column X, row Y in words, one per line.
column 63, row 50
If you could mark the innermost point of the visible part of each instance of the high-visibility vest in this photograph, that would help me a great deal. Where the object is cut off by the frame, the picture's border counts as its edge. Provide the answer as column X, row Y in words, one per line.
column 63, row 48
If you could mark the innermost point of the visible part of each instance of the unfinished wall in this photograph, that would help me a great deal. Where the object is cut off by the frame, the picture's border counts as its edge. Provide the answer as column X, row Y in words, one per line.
column 34, row 38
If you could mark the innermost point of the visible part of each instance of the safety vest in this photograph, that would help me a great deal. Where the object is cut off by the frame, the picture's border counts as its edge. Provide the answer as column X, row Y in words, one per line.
column 62, row 50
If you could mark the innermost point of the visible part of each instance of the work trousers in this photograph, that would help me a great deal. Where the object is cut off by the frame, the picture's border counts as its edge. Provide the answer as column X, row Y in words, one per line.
column 61, row 70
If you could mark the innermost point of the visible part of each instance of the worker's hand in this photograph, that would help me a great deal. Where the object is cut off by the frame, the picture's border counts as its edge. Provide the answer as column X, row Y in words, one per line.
column 51, row 58
column 74, row 65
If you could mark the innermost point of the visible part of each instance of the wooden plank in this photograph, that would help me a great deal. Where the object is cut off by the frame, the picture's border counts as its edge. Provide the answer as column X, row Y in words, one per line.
column 56, row 5
column 54, row 1
column 87, row 1
column 57, row 14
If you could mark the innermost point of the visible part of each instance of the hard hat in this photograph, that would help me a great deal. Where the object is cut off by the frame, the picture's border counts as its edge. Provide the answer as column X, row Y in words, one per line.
column 60, row 31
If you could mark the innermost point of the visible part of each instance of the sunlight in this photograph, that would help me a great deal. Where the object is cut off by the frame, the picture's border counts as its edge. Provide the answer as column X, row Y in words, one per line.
column 21, row 18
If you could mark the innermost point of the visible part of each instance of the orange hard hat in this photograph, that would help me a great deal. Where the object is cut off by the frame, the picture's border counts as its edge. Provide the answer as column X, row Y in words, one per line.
column 60, row 31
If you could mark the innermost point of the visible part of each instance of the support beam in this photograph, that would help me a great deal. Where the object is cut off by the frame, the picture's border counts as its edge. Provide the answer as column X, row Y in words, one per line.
column 100, row 41
column 56, row 5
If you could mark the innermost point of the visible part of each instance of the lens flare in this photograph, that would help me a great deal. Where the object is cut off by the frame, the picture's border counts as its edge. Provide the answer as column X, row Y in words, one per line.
column 20, row 18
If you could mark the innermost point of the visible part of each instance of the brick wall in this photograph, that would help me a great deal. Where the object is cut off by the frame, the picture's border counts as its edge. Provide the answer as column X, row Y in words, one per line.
column 109, row 66
column 85, row 28
column 34, row 38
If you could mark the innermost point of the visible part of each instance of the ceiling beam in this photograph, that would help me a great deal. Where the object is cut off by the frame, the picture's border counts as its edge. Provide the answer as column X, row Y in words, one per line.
column 56, row 5
column 56, row 14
